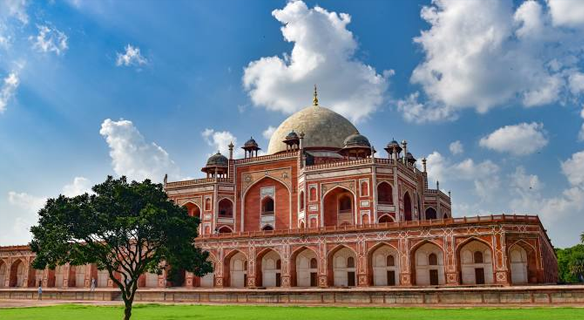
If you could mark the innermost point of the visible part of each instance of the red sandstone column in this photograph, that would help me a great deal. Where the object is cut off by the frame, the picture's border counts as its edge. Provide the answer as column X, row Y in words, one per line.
column 405, row 276
column 450, row 259
column 285, row 271
column 502, row 275
column 362, row 274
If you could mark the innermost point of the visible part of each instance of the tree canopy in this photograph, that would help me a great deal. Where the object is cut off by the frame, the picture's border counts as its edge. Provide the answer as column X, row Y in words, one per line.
column 125, row 228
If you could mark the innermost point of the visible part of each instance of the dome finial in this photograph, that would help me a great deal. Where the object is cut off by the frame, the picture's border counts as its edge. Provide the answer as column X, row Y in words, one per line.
column 315, row 99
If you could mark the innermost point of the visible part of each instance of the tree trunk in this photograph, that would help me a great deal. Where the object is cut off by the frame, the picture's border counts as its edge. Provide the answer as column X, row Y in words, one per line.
column 128, row 308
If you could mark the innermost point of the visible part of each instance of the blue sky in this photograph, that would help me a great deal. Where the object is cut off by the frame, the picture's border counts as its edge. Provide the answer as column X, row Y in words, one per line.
column 180, row 80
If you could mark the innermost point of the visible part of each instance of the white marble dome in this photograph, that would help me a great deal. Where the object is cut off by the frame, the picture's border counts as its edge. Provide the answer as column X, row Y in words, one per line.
column 322, row 127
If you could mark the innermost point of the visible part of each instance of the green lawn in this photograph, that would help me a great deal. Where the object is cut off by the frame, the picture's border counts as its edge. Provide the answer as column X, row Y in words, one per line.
column 176, row 312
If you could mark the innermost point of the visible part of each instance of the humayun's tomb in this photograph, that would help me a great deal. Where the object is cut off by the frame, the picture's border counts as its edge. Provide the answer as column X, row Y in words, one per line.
column 321, row 211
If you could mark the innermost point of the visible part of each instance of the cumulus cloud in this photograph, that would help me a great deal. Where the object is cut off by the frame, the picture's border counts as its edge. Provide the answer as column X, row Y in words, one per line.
column 220, row 141
column 25, row 207
column 485, row 54
column 7, row 90
column 50, row 39
column 456, row 147
column 133, row 156
column 14, row 8
column 323, row 54
column 269, row 132
column 483, row 175
column 521, row 139
column 567, row 12
column 80, row 185
column 131, row 57
column 573, row 169
column 567, row 207
column 581, row 133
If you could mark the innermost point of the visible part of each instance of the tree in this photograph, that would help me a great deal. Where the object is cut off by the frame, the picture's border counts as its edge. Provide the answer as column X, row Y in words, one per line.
column 124, row 228
column 571, row 263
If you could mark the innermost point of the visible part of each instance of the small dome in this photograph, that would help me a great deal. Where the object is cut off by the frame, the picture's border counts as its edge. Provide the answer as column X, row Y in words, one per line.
column 217, row 160
column 292, row 136
column 357, row 140
column 410, row 158
column 393, row 144
column 251, row 143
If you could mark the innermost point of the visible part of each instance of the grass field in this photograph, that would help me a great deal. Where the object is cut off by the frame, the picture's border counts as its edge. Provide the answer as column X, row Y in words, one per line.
column 177, row 312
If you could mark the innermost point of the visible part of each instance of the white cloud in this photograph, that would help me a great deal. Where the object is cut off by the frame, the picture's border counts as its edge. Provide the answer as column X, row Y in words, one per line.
column 422, row 112
column 483, row 175
column 132, row 156
column 50, row 39
column 7, row 90
column 220, row 141
column 521, row 139
column 581, row 133
column 80, row 185
column 323, row 54
column 25, row 207
column 131, row 57
column 456, row 147
column 573, row 169
column 568, row 207
column 567, row 12
column 15, row 8
column 269, row 132
column 485, row 54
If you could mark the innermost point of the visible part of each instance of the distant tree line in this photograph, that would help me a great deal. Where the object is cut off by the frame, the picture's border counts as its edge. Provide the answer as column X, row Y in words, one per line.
column 571, row 263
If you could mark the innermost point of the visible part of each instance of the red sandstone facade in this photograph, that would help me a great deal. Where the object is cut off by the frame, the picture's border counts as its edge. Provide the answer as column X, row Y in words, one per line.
column 314, row 213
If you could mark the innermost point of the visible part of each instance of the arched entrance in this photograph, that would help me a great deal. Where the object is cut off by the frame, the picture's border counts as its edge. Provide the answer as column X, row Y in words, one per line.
column 384, row 194
column 407, row 207
column 384, row 262
column 476, row 264
column 343, row 264
column 79, row 272
column 102, row 278
column 305, row 263
column 267, row 202
column 431, row 214
column 151, row 280
column 59, row 276
column 225, row 208
column 17, row 274
column 3, row 274
column 238, row 271
column 523, row 263
column 193, row 209
column 208, row 280
column 269, row 269
column 429, row 265
column 338, row 208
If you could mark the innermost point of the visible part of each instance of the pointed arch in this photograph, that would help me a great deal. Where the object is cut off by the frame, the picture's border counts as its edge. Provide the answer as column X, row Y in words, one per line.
column 4, row 273
column 423, row 272
column 339, row 207
column 407, row 207
column 523, row 262
column 268, row 268
column 225, row 206
column 340, row 273
column 235, row 269
column 251, row 204
column 473, row 271
column 384, row 193
column 17, row 274
column 386, row 218
column 430, row 214
column 382, row 273
column 303, row 271
column 193, row 209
